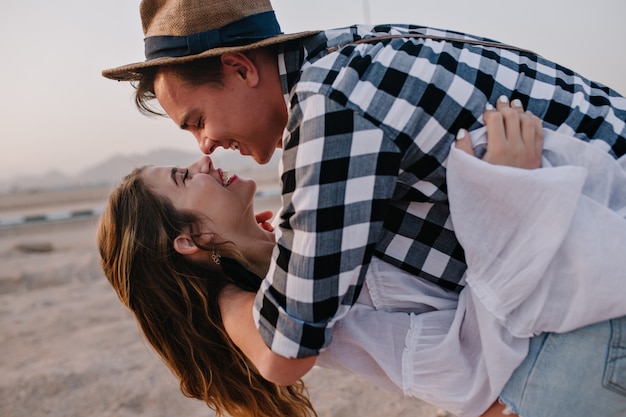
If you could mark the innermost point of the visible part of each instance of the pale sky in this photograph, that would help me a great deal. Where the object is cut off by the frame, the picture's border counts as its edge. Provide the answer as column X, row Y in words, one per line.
column 57, row 112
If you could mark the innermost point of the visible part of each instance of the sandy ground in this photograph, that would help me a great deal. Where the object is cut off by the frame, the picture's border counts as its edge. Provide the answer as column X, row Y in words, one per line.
column 69, row 348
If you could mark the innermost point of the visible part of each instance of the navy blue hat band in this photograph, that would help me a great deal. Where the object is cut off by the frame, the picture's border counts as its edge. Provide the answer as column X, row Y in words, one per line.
column 240, row 32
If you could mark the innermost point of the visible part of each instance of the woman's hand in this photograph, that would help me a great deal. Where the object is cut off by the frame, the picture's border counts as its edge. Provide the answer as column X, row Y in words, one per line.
column 514, row 138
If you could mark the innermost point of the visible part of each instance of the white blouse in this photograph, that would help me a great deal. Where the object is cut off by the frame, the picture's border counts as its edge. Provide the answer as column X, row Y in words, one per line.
column 545, row 251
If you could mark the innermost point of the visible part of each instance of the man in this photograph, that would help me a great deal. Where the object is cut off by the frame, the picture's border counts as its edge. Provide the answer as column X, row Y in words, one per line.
column 365, row 128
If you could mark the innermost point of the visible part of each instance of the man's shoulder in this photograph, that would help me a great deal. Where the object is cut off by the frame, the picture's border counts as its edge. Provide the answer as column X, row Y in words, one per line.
column 330, row 51
column 330, row 64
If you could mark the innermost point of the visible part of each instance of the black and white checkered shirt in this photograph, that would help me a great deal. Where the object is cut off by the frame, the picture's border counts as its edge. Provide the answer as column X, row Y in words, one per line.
column 364, row 155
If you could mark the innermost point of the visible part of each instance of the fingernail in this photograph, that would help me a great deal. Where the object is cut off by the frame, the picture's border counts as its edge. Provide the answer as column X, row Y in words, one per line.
column 517, row 103
column 503, row 99
column 488, row 106
column 529, row 112
column 461, row 134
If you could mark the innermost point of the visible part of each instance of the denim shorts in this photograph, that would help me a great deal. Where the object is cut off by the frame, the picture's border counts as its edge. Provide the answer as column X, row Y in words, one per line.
column 576, row 374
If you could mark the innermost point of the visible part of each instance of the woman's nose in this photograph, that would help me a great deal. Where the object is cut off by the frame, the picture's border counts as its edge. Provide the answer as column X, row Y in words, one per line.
column 202, row 165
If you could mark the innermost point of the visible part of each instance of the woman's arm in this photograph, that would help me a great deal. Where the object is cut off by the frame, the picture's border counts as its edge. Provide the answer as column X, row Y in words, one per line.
column 517, row 143
column 497, row 410
column 236, row 309
column 539, row 244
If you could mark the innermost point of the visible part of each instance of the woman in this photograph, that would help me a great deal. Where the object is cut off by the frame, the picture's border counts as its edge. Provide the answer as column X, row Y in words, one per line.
column 174, row 297
column 176, row 242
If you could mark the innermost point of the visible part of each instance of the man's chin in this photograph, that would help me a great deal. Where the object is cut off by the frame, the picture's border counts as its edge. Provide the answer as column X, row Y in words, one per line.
column 262, row 158
column 261, row 161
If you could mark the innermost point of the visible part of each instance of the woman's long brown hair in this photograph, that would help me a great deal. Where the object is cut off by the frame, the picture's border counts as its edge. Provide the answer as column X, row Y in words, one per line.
column 175, row 303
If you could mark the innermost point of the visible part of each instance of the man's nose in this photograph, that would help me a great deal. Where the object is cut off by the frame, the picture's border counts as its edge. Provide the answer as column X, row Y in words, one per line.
column 207, row 146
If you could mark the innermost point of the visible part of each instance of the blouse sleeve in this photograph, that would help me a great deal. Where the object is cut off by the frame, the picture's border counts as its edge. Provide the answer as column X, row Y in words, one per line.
column 458, row 359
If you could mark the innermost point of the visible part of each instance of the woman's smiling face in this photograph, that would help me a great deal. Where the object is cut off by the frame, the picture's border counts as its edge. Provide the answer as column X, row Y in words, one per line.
column 201, row 188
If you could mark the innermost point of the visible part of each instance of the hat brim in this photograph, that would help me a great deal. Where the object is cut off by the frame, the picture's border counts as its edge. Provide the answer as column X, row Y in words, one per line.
column 133, row 72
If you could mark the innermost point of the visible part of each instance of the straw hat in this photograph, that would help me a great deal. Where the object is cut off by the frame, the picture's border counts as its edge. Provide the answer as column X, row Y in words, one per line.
column 178, row 31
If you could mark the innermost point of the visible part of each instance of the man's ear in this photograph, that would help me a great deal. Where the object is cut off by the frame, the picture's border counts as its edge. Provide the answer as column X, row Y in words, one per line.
column 244, row 65
column 184, row 245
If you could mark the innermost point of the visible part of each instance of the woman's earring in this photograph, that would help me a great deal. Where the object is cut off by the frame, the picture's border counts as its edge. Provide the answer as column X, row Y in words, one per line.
column 216, row 256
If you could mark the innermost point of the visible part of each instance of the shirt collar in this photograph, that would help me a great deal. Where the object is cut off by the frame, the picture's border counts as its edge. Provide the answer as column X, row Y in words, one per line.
column 293, row 55
column 290, row 60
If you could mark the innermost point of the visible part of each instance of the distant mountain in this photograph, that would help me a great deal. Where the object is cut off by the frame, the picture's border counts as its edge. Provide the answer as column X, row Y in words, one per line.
column 113, row 169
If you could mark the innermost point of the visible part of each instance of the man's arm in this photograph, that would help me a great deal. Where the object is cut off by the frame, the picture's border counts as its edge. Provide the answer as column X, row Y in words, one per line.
column 236, row 309
column 339, row 173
